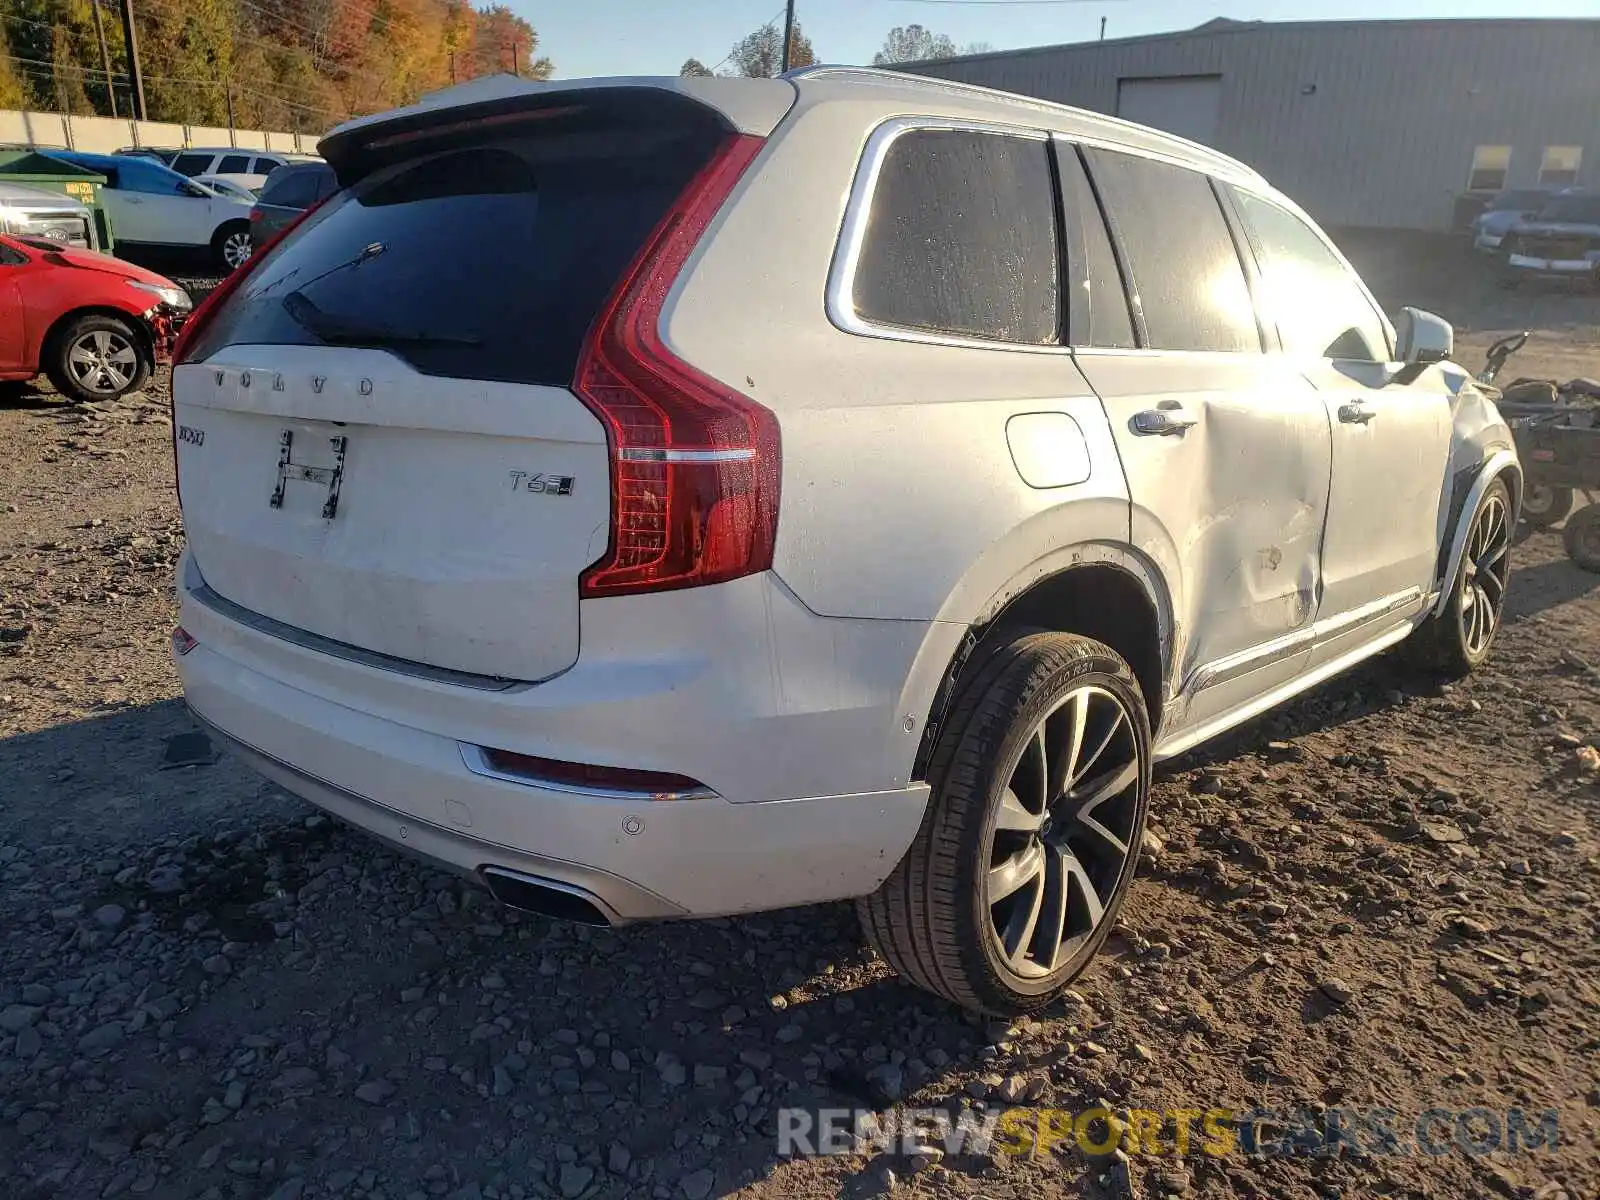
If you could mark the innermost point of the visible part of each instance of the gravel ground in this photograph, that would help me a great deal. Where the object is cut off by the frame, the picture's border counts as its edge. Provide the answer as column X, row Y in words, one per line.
column 1386, row 894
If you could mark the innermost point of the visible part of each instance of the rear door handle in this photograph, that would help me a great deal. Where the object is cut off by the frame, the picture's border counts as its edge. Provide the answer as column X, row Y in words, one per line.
column 1355, row 413
column 1165, row 421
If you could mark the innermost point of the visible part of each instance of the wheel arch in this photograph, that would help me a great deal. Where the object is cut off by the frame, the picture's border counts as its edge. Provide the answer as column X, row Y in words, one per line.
column 1469, row 487
column 1100, row 589
column 58, row 327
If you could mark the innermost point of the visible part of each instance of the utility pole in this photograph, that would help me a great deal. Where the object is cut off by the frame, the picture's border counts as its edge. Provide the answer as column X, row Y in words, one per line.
column 1102, row 29
column 105, row 55
column 135, row 75
column 452, row 67
column 788, row 32
column 516, row 68
column 232, row 139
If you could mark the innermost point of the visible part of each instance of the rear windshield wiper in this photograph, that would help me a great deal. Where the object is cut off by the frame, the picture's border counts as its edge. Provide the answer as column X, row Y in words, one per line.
column 337, row 330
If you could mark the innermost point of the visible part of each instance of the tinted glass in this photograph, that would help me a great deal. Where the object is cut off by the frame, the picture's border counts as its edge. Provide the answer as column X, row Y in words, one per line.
column 493, row 258
column 233, row 164
column 291, row 187
column 1109, row 322
column 1517, row 201
column 961, row 238
column 192, row 164
column 1583, row 210
column 141, row 175
column 1319, row 307
column 265, row 166
column 12, row 258
column 1185, row 267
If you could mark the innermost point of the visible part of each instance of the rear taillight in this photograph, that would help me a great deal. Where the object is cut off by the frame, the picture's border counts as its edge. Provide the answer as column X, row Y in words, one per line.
column 694, row 464
column 206, row 311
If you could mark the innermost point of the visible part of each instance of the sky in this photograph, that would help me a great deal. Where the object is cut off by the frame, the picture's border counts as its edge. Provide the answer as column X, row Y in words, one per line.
column 654, row 37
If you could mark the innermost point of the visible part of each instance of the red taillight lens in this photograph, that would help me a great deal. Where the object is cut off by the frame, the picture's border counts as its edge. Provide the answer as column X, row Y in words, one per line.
column 654, row 785
column 182, row 641
column 694, row 464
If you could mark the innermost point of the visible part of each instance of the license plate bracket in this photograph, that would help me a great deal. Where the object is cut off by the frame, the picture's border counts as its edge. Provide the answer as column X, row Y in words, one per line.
column 330, row 477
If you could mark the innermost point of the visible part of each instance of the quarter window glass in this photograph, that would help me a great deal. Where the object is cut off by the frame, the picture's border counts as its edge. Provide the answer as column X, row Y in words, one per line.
column 291, row 189
column 265, row 166
column 1320, row 308
column 1490, row 166
column 961, row 238
column 1185, row 267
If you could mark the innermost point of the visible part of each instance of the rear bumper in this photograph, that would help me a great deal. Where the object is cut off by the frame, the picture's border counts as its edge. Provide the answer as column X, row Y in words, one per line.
column 406, row 779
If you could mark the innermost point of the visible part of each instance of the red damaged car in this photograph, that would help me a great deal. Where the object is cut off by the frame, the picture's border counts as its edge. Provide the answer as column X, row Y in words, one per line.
column 95, row 325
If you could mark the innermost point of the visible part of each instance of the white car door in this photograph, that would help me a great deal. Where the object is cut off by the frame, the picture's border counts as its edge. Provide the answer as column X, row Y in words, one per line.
column 1391, row 430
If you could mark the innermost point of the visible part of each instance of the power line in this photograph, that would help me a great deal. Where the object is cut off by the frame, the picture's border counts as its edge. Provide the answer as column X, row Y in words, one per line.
column 1006, row 3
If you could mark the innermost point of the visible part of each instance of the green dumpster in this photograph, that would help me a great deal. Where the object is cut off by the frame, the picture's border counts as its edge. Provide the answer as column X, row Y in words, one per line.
column 33, row 169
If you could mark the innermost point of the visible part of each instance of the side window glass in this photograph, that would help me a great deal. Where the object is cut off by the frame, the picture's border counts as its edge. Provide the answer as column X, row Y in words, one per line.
column 11, row 258
column 149, row 178
column 1185, row 267
column 234, row 164
column 961, row 238
column 1320, row 308
column 192, row 164
column 1110, row 325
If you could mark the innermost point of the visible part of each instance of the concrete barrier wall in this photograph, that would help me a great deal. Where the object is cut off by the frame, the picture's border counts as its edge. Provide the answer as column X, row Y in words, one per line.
column 102, row 135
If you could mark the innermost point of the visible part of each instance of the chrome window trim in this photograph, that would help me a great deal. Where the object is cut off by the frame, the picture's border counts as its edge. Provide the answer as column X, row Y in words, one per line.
column 840, row 299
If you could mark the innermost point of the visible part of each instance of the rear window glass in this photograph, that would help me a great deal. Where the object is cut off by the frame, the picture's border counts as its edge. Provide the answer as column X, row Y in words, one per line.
column 292, row 187
column 484, row 261
column 1583, row 210
column 961, row 238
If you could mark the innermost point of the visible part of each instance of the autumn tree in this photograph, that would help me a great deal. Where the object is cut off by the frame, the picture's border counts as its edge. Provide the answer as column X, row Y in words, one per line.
column 284, row 64
column 760, row 54
column 913, row 43
column 978, row 48
column 694, row 68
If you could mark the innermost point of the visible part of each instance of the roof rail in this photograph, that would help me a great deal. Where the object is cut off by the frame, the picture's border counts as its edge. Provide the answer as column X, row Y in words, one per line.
column 935, row 83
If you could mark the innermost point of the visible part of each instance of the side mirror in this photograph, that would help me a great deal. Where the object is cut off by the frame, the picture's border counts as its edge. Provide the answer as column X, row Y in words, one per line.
column 1423, row 338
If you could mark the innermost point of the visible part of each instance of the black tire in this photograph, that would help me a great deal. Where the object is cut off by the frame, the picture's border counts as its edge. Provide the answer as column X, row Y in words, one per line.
column 226, row 242
column 1451, row 643
column 1582, row 538
column 932, row 919
column 122, row 350
column 1543, row 507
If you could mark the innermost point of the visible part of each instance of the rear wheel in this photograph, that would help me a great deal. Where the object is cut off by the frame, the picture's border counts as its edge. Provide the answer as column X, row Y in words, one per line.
column 97, row 357
column 1582, row 538
column 1041, row 783
column 1543, row 507
column 232, row 245
column 1456, row 641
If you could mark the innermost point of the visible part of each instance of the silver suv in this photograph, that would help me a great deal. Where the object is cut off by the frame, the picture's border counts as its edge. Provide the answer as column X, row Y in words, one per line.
column 842, row 486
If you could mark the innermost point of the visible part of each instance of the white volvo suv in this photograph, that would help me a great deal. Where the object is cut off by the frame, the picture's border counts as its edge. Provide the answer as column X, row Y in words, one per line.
column 662, row 498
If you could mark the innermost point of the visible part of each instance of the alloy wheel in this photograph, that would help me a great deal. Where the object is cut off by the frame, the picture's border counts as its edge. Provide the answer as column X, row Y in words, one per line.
column 103, row 361
column 236, row 249
column 1063, row 837
column 1484, row 575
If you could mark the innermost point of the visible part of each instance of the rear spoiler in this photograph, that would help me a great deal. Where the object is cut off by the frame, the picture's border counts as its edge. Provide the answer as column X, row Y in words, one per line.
column 354, row 149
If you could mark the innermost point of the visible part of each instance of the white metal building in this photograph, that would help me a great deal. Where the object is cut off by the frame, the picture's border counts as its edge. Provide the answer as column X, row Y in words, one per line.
column 1392, row 124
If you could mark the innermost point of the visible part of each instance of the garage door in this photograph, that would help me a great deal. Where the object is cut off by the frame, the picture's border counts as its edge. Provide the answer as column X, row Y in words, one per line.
column 1187, row 105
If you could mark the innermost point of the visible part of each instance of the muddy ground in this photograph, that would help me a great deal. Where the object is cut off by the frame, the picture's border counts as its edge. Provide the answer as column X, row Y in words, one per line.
column 1385, row 895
